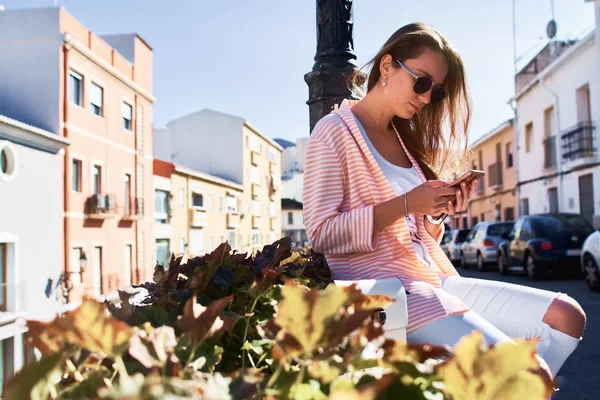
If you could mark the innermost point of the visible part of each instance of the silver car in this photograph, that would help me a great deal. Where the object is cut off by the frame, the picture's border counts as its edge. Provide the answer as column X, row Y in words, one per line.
column 480, row 248
column 451, row 243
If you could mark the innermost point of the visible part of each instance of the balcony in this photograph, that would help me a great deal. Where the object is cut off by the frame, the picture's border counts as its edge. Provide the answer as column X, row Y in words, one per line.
column 255, row 190
column 273, row 223
column 495, row 176
column 233, row 220
column 198, row 217
column 133, row 209
column 100, row 206
column 550, row 152
column 255, row 221
column 254, row 157
column 578, row 145
column 272, row 167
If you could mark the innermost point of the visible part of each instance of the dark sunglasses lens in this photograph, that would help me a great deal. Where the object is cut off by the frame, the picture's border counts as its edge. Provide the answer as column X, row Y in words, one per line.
column 422, row 85
column 437, row 94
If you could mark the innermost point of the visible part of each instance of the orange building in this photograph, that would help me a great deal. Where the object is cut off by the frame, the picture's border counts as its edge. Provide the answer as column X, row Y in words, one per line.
column 96, row 92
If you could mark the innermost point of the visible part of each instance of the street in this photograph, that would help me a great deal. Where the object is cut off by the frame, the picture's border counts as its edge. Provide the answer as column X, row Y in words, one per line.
column 578, row 376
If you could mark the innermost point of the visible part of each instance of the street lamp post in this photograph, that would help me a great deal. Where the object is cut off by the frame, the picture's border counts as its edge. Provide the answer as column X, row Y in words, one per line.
column 335, row 59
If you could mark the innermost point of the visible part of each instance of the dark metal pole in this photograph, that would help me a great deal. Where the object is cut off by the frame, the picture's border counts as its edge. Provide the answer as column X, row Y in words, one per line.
column 335, row 59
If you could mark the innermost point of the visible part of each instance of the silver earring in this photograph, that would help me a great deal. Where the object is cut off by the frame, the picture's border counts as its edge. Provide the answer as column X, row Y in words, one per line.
column 384, row 83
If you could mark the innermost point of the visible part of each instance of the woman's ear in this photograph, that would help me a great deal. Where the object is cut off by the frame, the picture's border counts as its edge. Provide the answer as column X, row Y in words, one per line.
column 385, row 66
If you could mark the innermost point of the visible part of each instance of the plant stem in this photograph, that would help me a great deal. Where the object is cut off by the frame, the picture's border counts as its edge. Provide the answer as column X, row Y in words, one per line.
column 300, row 376
column 275, row 375
column 248, row 326
column 251, row 360
column 121, row 367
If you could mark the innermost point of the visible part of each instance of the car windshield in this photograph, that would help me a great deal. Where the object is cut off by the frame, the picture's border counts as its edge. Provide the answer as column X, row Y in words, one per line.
column 499, row 229
column 547, row 226
column 578, row 224
column 462, row 235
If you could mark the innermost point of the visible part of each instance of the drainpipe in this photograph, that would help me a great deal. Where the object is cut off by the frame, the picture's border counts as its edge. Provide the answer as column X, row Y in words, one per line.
column 558, row 153
column 66, row 188
column 135, row 190
column 512, row 103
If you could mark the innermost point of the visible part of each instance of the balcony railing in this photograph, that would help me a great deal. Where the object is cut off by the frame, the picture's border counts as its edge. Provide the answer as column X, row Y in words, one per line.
column 133, row 209
column 550, row 152
column 198, row 217
column 495, row 175
column 100, row 206
column 578, row 141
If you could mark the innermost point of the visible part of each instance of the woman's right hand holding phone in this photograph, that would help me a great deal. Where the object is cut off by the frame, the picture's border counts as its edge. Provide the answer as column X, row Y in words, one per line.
column 430, row 198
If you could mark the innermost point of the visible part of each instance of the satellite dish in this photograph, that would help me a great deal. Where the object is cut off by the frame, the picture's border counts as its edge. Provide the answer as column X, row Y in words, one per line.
column 551, row 29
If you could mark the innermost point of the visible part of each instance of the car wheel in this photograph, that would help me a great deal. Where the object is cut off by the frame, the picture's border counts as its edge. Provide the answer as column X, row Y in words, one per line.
column 532, row 268
column 502, row 267
column 592, row 277
column 480, row 263
column 463, row 261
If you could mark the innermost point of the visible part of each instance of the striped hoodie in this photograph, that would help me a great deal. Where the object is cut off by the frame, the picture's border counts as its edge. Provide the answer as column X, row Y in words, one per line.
column 342, row 184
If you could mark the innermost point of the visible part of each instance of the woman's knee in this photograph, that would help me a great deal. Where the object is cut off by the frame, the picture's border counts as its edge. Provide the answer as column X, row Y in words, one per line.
column 566, row 315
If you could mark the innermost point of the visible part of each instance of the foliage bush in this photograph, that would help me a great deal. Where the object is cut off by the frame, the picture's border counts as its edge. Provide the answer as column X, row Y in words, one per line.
column 268, row 326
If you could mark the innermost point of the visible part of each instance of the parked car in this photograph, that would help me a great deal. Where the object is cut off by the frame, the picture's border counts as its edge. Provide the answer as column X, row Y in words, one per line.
column 451, row 243
column 543, row 243
column 480, row 247
column 590, row 261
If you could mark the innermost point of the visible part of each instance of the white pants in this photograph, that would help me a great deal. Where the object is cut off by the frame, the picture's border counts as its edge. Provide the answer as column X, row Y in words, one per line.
column 500, row 311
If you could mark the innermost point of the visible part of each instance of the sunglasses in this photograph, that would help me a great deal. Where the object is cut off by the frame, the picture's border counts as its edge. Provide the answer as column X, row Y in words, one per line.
column 424, row 83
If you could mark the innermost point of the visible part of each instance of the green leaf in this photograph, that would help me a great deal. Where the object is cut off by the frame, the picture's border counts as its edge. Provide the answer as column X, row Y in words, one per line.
column 35, row 381
column 155, row 314
column 307, row 391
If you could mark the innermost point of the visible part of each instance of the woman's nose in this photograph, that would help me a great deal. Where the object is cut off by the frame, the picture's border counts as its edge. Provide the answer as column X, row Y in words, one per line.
column 425, row 98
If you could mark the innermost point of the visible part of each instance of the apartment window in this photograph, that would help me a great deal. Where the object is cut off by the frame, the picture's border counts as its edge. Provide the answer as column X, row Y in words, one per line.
column 127, row 112
column 509, row 214
column 271, row 155
column 509, row 155
column 482, row 217
column 76, row 253
column 465, row 222
column 128, row 270
column 231, row 237
column 97, row 271
column 162, row 253
column 197, row 200
column 474, row 221
column 128, row 205
column 524, row 206
column 255, row 238
column 161, row 206
column 76, row 175
column 528, row 136
column 7, row 357
column 75, row 88
column 3, row 268
column 256, row 208
column 220, row 203
column 549, row 122
column 582, row 99
column 255, row 175
column 181, row 198
column 96, row 179
column 290, row 218
column 97, row 100
column 231, row 203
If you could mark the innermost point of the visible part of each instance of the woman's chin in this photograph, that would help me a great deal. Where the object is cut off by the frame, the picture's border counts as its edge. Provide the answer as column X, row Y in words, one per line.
column 406, row 114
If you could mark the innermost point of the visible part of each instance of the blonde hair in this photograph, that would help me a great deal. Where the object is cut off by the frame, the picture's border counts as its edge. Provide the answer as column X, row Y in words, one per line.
column 423, row 134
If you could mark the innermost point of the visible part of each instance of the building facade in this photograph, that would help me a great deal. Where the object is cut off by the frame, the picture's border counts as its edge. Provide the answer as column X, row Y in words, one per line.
column 31, row 231
column 231, row 177
column 557, row 134
column 495, row 199
column 97, row 93
column 292, row 217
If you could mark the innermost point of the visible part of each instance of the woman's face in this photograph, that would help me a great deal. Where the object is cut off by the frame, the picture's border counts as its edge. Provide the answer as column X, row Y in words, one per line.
column 399, row 83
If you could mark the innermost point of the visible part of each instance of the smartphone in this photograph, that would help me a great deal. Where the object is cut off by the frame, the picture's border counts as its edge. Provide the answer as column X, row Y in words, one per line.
column 468, row 177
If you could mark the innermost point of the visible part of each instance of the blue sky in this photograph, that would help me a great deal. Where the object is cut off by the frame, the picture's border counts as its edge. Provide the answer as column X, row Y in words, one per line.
column 249, row 57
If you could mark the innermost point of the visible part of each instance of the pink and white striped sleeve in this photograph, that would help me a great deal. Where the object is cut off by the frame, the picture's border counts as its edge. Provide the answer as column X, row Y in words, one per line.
column 329, row 230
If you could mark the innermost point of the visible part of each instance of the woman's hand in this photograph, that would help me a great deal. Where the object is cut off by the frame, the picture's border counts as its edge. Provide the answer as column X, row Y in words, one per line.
column 462, row 197
column 430, row 198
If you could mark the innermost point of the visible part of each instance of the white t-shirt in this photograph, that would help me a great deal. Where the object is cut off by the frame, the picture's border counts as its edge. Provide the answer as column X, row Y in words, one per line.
column 402, row 180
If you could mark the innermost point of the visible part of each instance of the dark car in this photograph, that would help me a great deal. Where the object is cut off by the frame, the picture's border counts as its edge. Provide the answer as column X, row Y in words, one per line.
column 543, row 243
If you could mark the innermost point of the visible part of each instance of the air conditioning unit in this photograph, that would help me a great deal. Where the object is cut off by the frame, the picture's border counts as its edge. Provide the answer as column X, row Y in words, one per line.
column 111, row 202
column 100, row 201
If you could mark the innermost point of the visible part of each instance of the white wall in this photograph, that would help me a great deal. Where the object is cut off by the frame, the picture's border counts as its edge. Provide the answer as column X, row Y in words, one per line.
column 298, row 219
column 30, row 66
column 161, row 143
column 301, row 152
column 288, row 160
column 292, row 188
column 210, row 142
column 571, row 74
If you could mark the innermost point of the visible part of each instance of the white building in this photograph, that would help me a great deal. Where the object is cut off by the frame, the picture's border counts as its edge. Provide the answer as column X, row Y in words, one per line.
column 558, row 104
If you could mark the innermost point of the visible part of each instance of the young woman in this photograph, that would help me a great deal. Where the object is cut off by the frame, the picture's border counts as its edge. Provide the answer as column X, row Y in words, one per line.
column 374, row 205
